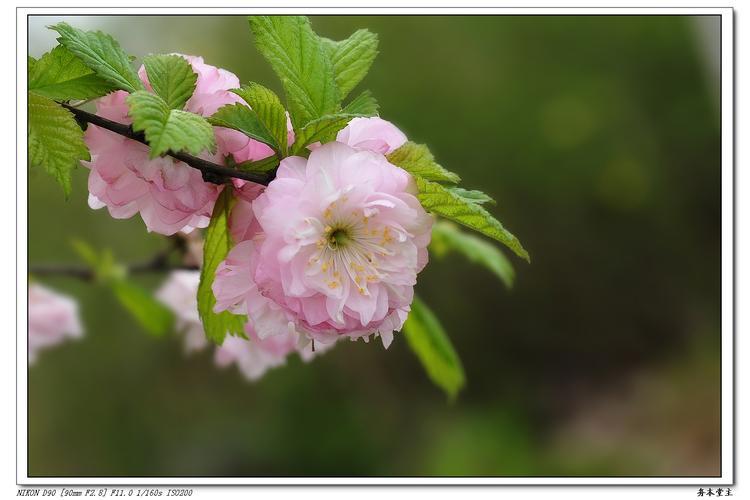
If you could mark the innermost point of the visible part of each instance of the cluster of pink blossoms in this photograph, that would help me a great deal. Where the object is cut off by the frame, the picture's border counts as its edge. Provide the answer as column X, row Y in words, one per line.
column 169, row 195
column 330, row 248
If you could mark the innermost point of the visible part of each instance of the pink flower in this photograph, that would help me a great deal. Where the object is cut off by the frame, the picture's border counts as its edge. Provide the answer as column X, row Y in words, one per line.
column 372, row 134
column 332, row 247
column 169, row 195
column 53, row 317
column 253, row 357
column 179, row 294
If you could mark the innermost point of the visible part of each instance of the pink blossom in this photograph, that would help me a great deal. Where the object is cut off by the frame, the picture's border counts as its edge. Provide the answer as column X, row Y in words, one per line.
column 253, row 357
column 372, row 134
column 169, row 195
column 332, row 247
column 179, row 293
column 53, row 318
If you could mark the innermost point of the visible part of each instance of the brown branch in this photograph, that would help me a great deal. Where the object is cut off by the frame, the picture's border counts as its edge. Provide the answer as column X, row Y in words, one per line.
column 212, row 172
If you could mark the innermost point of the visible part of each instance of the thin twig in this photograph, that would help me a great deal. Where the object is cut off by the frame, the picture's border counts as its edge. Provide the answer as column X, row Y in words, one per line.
column 87, row 274
column 212, row 172
column 157, row 264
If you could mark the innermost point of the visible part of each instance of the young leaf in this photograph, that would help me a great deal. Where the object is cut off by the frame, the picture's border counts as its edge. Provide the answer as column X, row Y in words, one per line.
column 298, row 57
column 55, row 139
column 364, row 104
column 439, row 200
column 418, row 161
column 151, row 314
column 270, row 111
column 259, row 166
column 472, row 195
column 169, row 129
column 320, row 129
column 447, row 237
column 352, row 58
column 243, row 119
column 215, row 249
column 101, row 53
column 172, row 78
column 60, row 75
column 429, row 342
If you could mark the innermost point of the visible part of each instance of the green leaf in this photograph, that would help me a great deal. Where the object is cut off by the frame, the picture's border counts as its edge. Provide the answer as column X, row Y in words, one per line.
column 352, row 58
column 259, row 166
column 243, row 119
column 418, row 161
column 172, row 78
column 101, row 53
column 429, row 342
column 439, row 200
column 217, row 244
column 472, row 195
column 60, row 75
column 298, row 57
column 364, row 104
column 169, row 129
column 320, row 130
column 55, row 139
column 152, row 315
column 447, row 237
column 270, row 111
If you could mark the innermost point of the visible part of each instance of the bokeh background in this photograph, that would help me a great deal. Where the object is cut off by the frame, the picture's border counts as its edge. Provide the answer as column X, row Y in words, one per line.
column 598, row 136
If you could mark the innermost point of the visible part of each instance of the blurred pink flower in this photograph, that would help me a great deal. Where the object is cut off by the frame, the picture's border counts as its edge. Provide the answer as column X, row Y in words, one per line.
column 253, row 357
column 169, row 195
column 53, row 318
column 373, row 134
column 332, row 247
column 179, row 293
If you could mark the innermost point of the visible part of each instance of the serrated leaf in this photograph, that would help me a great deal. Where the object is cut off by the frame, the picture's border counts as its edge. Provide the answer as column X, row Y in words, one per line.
column 151, row 314
column 172, row 78
column 243, row 119
column 439, row 200
column 62, row 76
column 102, row 54
column 429, row 342
column 472, row 195
column 319, row 130
column 218, row 242
column 364, row 104
column 169, row 129
column 352, row 58
column 298, row 57
column 270, row 111
column 447, row 237
column 55, row 139
column 418, row 161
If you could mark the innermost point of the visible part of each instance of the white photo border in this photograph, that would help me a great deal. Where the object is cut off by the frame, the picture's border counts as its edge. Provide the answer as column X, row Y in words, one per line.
column 727, row 476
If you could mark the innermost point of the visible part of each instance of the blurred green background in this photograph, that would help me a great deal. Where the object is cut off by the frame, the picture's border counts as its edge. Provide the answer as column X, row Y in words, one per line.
column 599, row 137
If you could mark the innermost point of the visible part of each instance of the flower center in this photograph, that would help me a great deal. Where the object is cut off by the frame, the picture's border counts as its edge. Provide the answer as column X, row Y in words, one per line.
column 350, row 249
column 338, row 238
